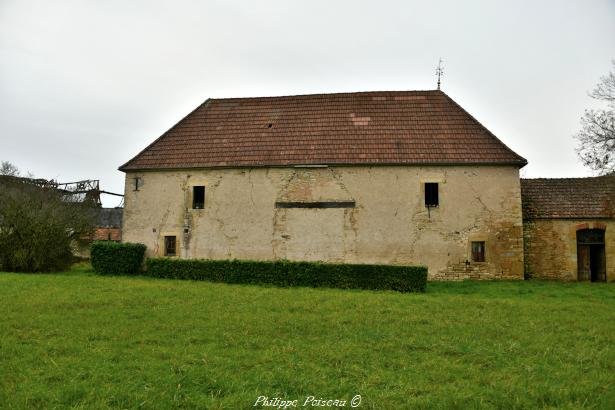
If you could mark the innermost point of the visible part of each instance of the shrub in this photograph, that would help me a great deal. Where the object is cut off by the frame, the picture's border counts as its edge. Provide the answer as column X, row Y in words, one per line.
column 115, row 258
column 286, row 273
column 38, row 225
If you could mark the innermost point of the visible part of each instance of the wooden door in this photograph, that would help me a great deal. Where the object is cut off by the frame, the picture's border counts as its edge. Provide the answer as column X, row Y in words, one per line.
column 598, row 263
column 583, row 262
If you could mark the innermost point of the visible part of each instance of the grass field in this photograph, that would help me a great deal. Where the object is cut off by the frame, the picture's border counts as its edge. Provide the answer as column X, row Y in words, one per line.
column 76, row 340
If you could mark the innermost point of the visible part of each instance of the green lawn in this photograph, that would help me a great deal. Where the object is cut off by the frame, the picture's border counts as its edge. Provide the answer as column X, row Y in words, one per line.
column 83, row 341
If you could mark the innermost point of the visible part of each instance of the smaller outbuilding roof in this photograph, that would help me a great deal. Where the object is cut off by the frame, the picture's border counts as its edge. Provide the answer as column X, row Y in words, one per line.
column 568, row 198
column 109, row 218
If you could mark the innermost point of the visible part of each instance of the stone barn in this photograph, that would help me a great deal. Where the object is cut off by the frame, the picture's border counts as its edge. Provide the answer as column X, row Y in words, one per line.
column 404, row 177
column 108, row 225
column 569, row 228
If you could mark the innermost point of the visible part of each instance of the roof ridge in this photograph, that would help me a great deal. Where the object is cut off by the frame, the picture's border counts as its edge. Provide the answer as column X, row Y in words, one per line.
column 566, row 178
column 349, row 93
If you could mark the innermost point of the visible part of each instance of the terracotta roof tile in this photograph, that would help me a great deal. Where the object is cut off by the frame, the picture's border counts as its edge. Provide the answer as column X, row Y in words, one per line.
column 568, row 197
column 393, row 127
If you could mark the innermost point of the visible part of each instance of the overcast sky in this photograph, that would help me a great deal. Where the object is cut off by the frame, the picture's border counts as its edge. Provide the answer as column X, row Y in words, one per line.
column 85, row 85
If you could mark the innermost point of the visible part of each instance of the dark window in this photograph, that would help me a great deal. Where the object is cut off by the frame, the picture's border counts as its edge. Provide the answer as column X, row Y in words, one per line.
column 431, row 194
column 170, row 246
column 198, row 197
column 316, row 204
column 478, row 251
column 590, row 236
column 137, row 183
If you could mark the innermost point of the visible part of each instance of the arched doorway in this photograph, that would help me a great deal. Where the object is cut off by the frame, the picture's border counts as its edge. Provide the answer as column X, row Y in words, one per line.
column 591, row 258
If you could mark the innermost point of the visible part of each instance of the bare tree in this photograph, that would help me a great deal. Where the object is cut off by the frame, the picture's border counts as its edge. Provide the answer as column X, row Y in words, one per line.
column 597, row 135
column 6, row 168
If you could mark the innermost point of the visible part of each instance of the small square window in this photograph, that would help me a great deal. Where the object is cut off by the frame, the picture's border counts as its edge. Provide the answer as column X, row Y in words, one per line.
column 478, row 251
column 198, row 197
column 431, row 194
column 170, row 246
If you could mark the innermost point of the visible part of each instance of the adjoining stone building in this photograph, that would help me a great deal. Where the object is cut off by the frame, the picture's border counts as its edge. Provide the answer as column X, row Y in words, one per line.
column 108, row 225
column 375, row 177
column 569, row 228
column 108, row 228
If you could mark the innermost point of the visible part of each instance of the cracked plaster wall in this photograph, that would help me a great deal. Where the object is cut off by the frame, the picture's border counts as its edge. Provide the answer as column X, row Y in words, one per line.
column 389, row 224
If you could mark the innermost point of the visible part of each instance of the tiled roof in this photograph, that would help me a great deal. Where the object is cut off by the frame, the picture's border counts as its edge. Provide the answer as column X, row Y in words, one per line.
column 391, row 127
column 109, row 217
column 568, row 197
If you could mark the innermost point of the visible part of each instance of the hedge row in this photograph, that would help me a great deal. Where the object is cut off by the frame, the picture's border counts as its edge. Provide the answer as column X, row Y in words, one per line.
column 286, row 273
column 115, row 258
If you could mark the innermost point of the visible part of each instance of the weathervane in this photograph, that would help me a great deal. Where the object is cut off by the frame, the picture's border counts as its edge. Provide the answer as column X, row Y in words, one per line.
column 439, row 72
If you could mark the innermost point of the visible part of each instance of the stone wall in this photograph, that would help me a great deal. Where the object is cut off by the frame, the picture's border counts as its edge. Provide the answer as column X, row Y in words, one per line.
column 107, row 234
column 551, row 247
column 388, row 224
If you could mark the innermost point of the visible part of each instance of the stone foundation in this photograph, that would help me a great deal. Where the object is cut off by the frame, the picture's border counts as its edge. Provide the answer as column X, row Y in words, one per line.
column 472, row 271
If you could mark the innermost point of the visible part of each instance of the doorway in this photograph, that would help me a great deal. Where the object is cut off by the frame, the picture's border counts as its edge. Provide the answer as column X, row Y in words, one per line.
column 591, row 257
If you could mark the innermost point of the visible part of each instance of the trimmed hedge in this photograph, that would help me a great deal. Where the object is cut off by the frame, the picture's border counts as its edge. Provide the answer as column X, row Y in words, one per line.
column 286, row 273
column 115, row 258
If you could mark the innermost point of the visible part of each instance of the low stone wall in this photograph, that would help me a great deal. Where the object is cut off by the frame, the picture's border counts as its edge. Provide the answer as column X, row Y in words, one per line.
column 471, row 271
